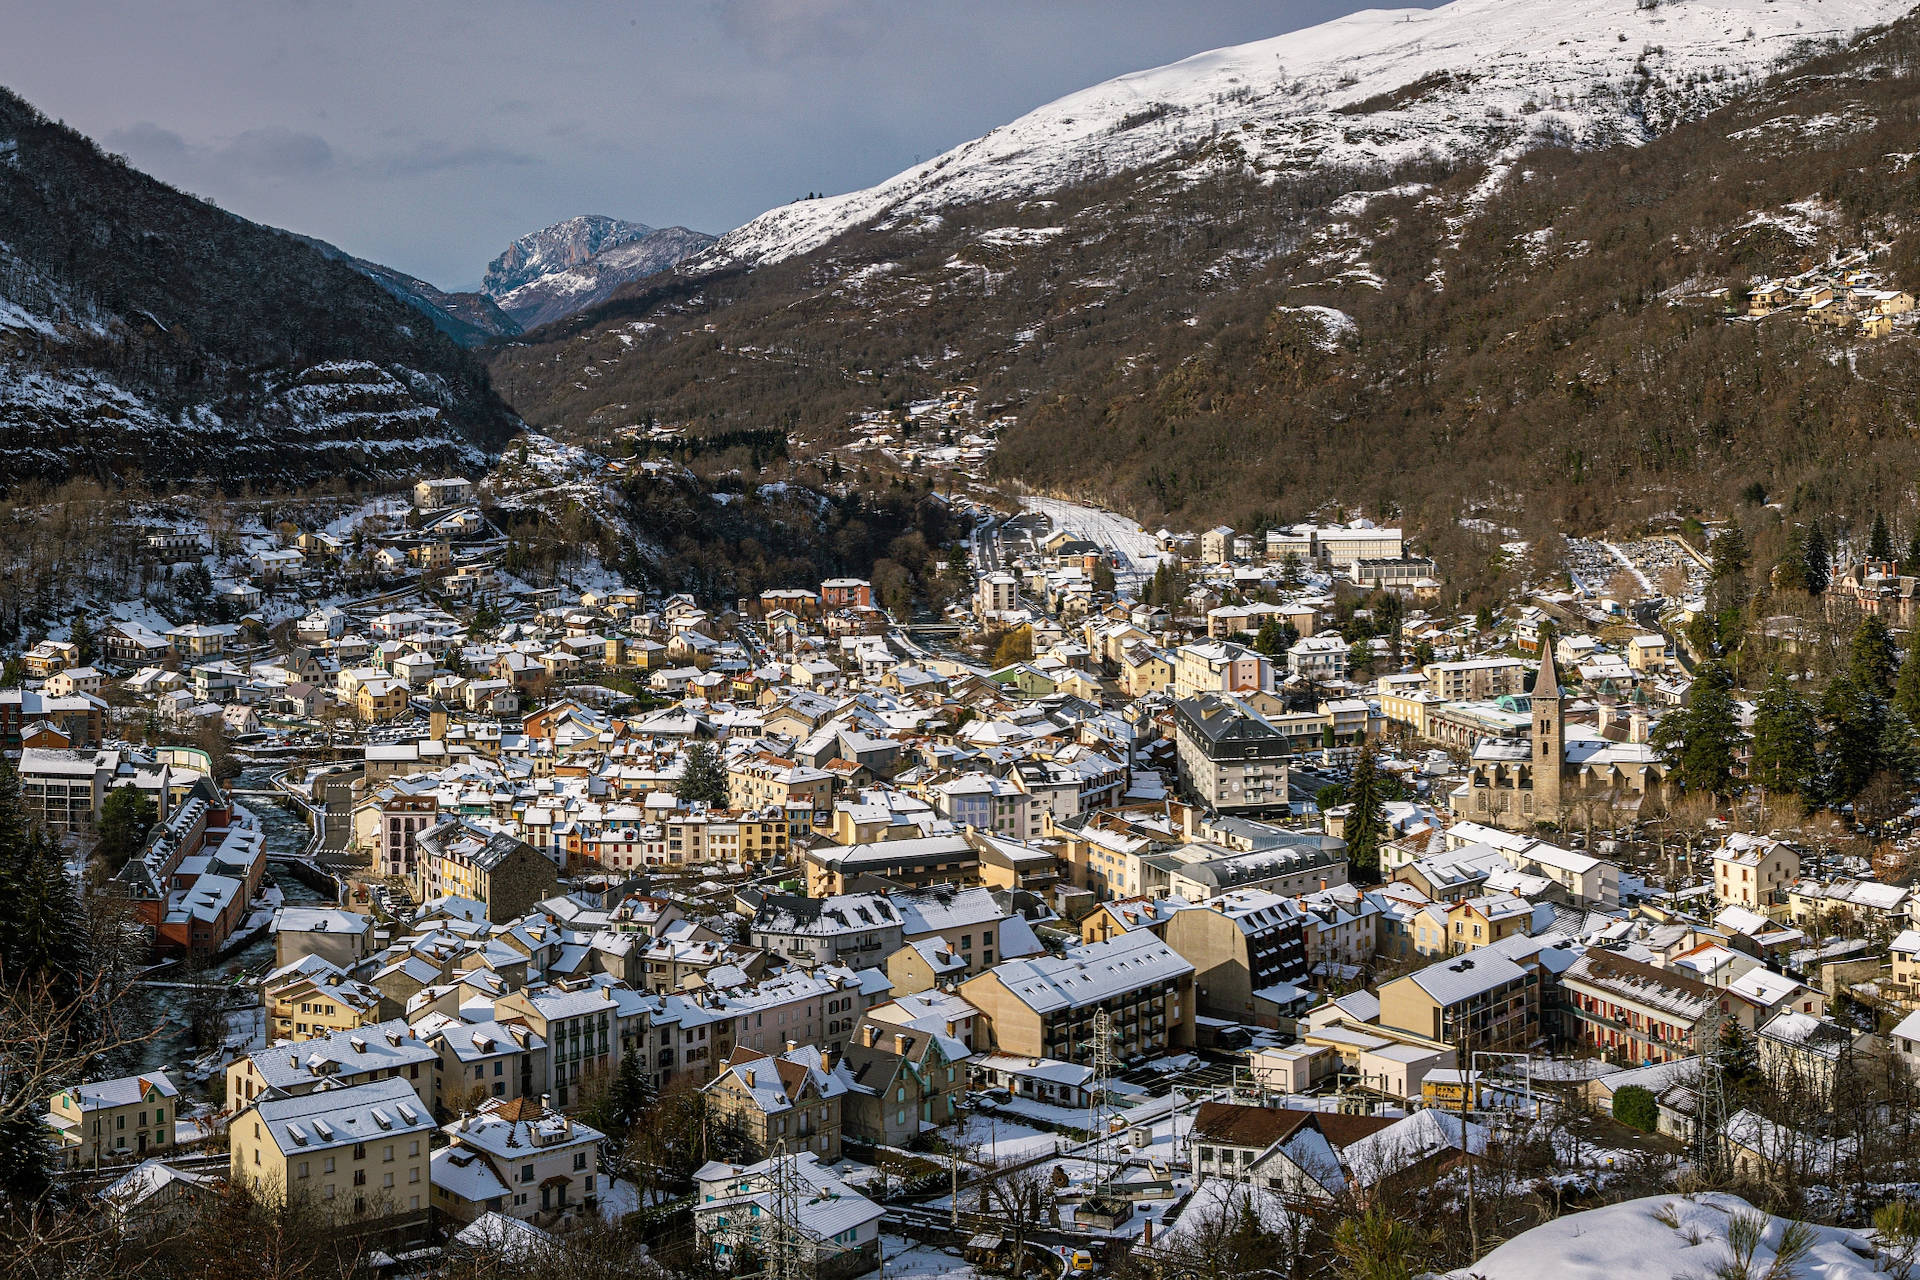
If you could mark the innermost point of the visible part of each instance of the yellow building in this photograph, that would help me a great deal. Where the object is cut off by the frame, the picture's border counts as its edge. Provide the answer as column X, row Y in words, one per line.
column 317, row 1001
column 104, row 1121
column 356, row 1155
column 377, row 701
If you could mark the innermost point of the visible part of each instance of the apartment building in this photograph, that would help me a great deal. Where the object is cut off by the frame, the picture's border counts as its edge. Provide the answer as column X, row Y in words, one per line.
column 1479, row 1002
column 358, row 1155
column 1632, row 1012
column 1248, row 949
column 1044, row 1007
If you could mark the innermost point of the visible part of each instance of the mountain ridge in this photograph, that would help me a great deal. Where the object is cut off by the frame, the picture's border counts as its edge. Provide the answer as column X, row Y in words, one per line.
column 145, row 331
column 550, row 274
column 1378, row 87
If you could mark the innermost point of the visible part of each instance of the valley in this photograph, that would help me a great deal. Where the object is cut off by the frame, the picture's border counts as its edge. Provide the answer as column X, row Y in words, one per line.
column 1298, row 662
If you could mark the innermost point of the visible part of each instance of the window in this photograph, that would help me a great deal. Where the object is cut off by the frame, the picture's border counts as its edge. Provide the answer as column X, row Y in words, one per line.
column 388, row 1157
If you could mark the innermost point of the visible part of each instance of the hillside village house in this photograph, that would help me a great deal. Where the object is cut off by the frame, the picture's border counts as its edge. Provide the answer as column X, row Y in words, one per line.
column 458, row 858
column 1754, row 871
column 107, row 1121
column 520, row 1158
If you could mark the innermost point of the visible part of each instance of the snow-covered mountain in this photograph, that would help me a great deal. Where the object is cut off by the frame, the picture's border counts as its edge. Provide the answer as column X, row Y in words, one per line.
column 1470, row 78
column 556, row 248
column 556, row 271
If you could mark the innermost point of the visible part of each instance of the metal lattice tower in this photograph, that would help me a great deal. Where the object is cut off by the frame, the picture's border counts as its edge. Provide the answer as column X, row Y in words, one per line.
column 789, row 1253
column 1099, row 1099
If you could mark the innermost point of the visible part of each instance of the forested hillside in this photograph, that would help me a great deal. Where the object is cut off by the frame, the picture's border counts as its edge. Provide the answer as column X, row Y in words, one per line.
column 1534, row 341
column 145, row 331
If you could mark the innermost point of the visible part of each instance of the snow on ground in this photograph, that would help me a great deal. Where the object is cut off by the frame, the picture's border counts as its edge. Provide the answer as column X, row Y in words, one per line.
column 1366, row 91
column 1139, row 553
column 1667, row 1238
column 620, row 1198
column 1002, row 1138
column 1336, row 327
column 906, row 1260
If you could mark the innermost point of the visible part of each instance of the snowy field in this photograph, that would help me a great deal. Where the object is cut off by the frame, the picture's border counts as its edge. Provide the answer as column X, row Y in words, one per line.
column 1139, row 554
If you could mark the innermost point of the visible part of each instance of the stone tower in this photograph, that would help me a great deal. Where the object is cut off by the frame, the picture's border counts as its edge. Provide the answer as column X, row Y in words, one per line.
column 1549, row 738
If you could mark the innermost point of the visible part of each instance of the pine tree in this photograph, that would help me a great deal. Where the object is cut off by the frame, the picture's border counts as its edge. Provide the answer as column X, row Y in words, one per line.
column 1870, row 657
column 1912, row 557
column 703, row 777
column 1853, row 735
column 1699, row 740
column 1880, row 539
column 81, row 634
column 1785, row 737
column 1906, row 689
column 1366, row 828
column 1791, row 573
column 1818, row 568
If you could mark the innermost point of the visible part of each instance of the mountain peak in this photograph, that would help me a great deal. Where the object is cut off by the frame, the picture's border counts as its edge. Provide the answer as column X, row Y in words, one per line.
column 554, row 272
column 560, row 247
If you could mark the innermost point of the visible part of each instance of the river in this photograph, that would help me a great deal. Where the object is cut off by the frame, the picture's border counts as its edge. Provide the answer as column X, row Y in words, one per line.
column 287, row 834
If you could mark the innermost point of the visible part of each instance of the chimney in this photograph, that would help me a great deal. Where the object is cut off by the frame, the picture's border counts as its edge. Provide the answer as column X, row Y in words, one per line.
column 900, row 1044
column 826, row 1060
column 791, row 1046
column 870, row 1030
column 546, row 1103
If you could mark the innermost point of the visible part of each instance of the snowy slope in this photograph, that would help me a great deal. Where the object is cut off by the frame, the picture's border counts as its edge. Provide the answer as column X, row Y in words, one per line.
column 1470, row 78
column 1669, row 1238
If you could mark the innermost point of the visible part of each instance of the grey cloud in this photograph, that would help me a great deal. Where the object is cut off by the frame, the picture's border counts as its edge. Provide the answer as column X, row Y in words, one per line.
column 270, row 152
column 277, row 153
column 438, row 157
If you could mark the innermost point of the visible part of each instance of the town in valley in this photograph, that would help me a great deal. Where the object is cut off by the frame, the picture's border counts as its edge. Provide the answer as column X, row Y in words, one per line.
column 1299, row 664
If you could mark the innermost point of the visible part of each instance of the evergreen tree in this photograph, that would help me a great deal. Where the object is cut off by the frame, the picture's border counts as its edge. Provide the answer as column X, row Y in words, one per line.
column 1292, row 572
column 1906, row 689
column 1699, row 740
column 1912, row 557
column 1880, row 539
column 1791, row 573
column 1870, row 658
column 622, row 1105
column 1103, row 576
column 81, row 635
column 959, row 567
column 1366, row 828
column 1785, row 737
column 126, row 816
column 703, row 777
column 1853, row 737
column 1817, row 571
column 1275, row 638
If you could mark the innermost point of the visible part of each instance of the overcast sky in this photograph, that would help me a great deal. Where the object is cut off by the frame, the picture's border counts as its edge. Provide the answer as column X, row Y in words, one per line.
column 425, row 134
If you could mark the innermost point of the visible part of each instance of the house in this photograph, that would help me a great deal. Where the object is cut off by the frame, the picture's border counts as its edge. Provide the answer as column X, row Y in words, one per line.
column 359, row 1154
column 1291, row 1153
column 1753, row 871
column 739, row 1209
column 519, row 1158
column 312, row 996
column 793, row 1098
column 855, row 929
column 108, row 1121
column 905, row 1081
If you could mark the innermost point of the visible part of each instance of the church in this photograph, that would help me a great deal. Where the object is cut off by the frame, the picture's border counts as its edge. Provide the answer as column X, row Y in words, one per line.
column 1521, row 783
